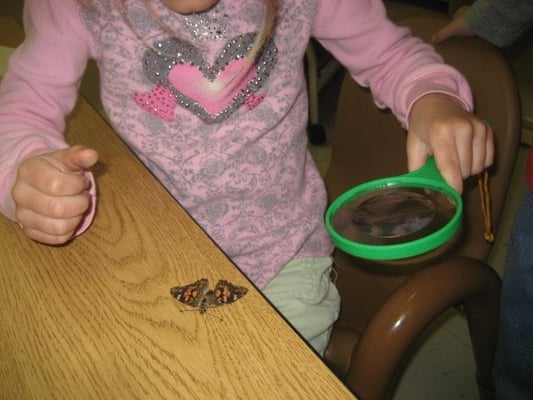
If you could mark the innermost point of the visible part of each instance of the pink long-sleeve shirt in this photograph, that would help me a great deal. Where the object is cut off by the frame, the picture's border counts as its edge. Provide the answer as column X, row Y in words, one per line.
column 227, row 141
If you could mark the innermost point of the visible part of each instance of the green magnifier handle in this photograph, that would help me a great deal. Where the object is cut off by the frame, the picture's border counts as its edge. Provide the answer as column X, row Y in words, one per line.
column 428, row 171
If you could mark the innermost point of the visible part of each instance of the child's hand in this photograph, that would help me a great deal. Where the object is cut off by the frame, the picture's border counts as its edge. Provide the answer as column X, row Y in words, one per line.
column 457, row 27
column 50, row 193
column 461, row 143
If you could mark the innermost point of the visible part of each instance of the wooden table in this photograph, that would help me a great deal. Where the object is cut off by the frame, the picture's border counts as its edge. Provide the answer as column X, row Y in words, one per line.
column 94, row 319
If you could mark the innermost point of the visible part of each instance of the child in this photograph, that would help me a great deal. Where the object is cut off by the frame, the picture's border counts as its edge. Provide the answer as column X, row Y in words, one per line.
column 211, row 95
column 501, row 22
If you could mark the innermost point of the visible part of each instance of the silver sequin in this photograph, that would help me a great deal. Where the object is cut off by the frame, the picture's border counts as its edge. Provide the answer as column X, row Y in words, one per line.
column 209, row 25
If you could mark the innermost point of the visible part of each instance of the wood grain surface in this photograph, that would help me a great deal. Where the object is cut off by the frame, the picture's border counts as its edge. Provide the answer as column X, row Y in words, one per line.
column 94, row 319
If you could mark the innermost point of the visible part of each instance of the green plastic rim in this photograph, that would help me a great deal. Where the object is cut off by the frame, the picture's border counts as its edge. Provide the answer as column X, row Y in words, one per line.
column 426, row 177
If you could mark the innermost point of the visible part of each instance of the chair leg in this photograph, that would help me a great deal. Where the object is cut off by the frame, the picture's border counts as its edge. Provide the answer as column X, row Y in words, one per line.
column 412, row 307
column 315, row 131
column 339, row 351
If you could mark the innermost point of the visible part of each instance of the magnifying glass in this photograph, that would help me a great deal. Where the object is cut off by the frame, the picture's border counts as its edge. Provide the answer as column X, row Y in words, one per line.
column 397, row 217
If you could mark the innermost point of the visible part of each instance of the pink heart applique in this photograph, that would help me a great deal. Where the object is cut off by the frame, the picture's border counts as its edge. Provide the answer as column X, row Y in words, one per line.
column 213, row 95
column 253, row 101
column 160, row 102
column 210, row 91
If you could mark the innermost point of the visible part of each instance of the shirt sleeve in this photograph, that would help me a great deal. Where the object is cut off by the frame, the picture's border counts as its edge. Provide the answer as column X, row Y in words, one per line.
column 500, row 22
column 398, row 67
column 40, row 87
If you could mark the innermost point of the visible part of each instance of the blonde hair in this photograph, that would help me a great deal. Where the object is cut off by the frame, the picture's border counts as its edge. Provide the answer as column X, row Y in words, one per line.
column 266, row 29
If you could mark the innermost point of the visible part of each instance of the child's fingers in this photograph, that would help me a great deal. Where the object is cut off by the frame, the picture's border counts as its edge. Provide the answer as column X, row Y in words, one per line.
column 483, row 145
column 45, row 177
column 49, row 230
column 61, row 207
column 450, row 168
column 76, row 158
column 417, row 154
column 59, row 173
column 441, row 144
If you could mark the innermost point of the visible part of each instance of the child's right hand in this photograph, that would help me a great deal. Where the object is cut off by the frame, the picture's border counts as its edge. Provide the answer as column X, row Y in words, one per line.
column 51, row 193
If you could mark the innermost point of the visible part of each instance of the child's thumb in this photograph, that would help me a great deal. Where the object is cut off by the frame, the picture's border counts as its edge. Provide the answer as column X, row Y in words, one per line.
column 77, row 158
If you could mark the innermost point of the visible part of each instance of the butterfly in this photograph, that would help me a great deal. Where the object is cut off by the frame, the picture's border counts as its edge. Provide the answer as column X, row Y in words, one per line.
column 198, row 295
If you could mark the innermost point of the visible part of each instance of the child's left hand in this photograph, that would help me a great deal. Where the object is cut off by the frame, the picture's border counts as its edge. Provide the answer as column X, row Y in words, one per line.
column 462, row 143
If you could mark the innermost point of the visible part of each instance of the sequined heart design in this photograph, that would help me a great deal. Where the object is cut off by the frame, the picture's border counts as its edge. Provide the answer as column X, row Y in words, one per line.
column 212, row 92
column 253, row 101
column 213, row 95
column 161, row 102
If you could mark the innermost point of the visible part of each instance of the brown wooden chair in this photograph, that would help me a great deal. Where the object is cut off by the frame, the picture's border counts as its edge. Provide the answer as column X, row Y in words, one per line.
column 321, row 67
column 387, row 305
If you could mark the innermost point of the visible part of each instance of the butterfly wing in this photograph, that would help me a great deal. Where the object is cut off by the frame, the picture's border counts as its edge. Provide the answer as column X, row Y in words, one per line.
column 191, row 294
column 226, row 293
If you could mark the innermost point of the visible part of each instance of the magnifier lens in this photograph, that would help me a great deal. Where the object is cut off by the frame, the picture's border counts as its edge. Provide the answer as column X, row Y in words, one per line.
column 397, row 217
column 393, row 215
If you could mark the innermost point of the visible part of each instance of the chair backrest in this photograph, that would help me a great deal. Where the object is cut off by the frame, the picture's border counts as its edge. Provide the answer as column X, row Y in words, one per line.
column 369, row 143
